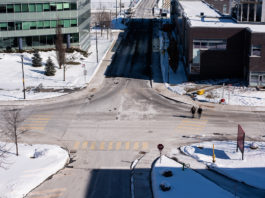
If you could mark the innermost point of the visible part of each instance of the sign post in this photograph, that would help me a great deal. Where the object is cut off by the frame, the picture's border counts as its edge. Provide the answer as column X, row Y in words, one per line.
column 160, row 148
column 240, row 140
column 85, row 72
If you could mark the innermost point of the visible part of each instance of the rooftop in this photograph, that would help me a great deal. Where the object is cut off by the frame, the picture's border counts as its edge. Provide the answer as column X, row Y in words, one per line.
column 212, row 18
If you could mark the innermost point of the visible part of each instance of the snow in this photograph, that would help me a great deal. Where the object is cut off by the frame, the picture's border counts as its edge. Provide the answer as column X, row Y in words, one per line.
column 34, row 164
column 187, row 183
column 212, row 18
column 11, row 72
column 234, row 94
column 229, row 162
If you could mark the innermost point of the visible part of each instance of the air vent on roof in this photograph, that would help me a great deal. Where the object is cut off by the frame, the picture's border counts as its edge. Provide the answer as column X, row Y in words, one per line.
column 202, row 14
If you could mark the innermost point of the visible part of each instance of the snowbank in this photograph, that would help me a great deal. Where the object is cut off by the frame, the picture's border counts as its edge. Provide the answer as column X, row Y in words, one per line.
column 34, row 164
column 187, row 183
column 229, row 162
column 11, row 72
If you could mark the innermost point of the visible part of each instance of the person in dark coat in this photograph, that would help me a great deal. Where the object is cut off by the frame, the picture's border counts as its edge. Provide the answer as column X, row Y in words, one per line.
column 193, row 110
column 199, row 111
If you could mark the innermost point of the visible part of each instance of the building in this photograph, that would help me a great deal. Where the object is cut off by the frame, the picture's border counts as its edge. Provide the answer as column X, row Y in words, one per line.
column 217, row 46
column 28, row 24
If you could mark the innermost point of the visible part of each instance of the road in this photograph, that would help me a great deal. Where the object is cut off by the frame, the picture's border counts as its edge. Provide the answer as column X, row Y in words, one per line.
column 110, row 127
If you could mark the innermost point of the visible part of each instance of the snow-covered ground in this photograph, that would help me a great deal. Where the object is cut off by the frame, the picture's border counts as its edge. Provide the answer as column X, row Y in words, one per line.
column 34, row 164
column 11, row 72
column 187, row 183
column 234, row 91
column 229, row 162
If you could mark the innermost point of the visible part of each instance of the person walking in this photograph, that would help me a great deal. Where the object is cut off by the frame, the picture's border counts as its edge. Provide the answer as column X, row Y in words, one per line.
column 193, row 110
column 199, row 112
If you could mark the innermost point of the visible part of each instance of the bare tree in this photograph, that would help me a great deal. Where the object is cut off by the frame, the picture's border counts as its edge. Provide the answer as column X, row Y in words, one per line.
column 60, row 49
column 103, row 19
column 3, row 154
column 13, row 121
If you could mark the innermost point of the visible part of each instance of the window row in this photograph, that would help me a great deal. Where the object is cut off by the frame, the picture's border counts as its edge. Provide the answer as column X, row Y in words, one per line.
column 31, row 25
column 255, row 50
column 35, row 41
column 209, row 44
column 36, row 7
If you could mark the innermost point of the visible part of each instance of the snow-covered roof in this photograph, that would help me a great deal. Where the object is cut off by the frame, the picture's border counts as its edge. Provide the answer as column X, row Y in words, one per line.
column 212, row 18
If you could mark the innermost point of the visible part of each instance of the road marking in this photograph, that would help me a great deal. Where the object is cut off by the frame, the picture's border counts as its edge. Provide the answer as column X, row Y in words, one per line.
column 92, row 146
column 118, row 145
column 195, row 125
column 76, row 145
column 101, row 147
column 84, row 145
column 36, row 122
column 144, row 145
column 136, row 145
column 127, row 145
column 110, row 146
column 30, row 127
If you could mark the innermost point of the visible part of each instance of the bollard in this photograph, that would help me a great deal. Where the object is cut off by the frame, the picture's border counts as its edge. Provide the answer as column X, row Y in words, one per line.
column 213, row 155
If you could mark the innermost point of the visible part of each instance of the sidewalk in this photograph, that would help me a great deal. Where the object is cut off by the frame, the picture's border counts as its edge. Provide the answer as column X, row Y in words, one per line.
column 162, row 88
column 93, row 85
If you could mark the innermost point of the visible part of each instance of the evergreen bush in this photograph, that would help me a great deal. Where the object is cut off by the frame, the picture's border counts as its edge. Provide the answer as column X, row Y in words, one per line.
column 36, row 59
column 49, row 68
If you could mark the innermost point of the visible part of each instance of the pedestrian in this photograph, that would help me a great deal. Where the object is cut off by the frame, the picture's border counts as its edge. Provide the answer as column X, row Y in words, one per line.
column 193, row 110
column 199, row 112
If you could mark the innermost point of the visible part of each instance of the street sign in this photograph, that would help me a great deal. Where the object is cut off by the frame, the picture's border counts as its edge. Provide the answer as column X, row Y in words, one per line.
column 240, row 140
column 160, row 147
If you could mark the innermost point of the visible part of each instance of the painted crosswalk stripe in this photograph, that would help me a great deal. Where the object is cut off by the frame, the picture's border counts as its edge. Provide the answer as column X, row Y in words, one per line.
column 136, row 145
column 118, row 145
column 144, row 145
column 76, row 145
column 51, row 193
column 127, row 145
column 101, row 147
column 110, row 145
column 92, row 146
column 84, row 145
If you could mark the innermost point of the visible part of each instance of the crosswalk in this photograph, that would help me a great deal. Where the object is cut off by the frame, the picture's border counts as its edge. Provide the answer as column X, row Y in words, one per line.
column 36, row 122
column 50, row 193
column 194, row 125
column 110, row 145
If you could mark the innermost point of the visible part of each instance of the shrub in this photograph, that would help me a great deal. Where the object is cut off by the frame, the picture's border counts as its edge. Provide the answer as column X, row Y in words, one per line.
column 49, row 68
column 167, row 173
column 36, row 59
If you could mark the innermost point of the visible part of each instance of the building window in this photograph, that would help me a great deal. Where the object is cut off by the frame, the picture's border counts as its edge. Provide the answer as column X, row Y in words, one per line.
column 256, row 50
column 3, row 26
column 17, row 8
column 225, row 9
column 39, row 7
column 10, row 8
column 46, row 7
column 73, row 22
column 59, row 6
column 53, row 6
column 25, row 7
column 2, row 8
column 66, row 6
column 32, row 8
column 73, row 6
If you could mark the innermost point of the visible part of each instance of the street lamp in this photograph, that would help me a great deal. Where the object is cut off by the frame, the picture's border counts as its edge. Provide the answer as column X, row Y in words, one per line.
column 96, row 41
column 23, row 79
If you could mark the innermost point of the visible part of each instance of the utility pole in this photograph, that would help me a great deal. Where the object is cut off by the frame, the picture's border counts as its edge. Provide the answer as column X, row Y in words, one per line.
column 120, row 7
column 23, row 79
column 97, row 42
column 116, row 10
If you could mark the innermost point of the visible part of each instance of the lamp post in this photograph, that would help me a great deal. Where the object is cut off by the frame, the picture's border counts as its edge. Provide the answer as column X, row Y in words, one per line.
column 23, row 79
column 97, row 42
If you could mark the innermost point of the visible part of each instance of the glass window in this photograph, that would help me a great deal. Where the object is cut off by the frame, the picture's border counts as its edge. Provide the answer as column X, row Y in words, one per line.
column 73, row 6
column 17, row 8
column 26, row 25
column 254, row 78
column 53, row 24
column 46, row 24
column 28, row 41
column 53, row 6
column 73, row 22
column 10, row 8
column 225, row 9
column 66, row 6
column 43, row 40
column 33, row 25
column 40, row 24
column 39, row 7
column 32, row 7
column 50, row 40
column 3, row 26
column 196, row 56
column 59, row 6
column 36, row 41
column 256, row 50
column 11, row 26
column 46, row 7
column 2, row 8
column 67, row 23
column 75, row 38
column 18, row 25
column 25, row 7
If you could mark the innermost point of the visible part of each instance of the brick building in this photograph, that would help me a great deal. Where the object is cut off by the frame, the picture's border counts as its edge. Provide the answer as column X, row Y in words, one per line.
column 217, row 46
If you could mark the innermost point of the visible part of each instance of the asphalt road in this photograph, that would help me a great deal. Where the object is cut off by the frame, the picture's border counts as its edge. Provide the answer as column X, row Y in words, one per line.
column 106, row 130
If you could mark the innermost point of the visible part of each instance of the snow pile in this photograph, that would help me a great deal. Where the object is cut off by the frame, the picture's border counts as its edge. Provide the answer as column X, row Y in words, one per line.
column 187, row 183
column 11, row 72
column 229, row 162
column 34, row 164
